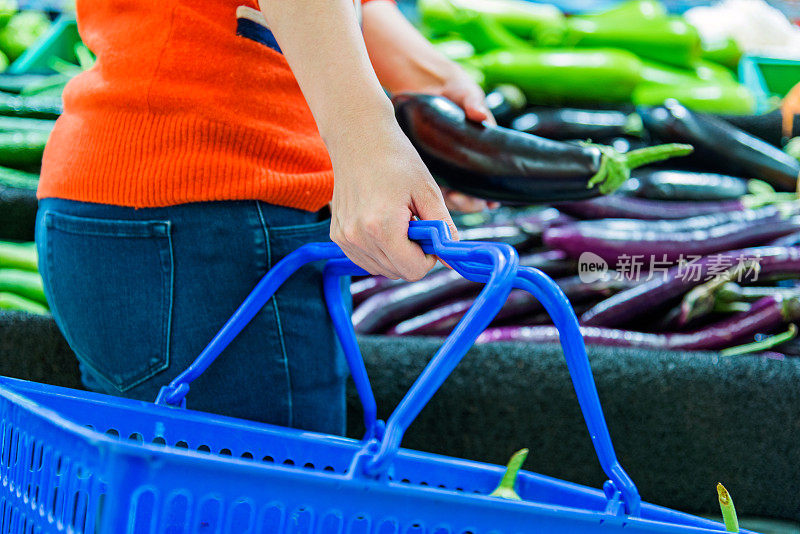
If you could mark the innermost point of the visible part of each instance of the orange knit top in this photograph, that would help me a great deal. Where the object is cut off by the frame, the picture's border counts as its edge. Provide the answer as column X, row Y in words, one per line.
column 190, row 100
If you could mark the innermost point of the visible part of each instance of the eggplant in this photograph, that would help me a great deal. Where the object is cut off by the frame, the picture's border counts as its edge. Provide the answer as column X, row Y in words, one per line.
column 766, row 126
column 722, row 145
column 698, row 222
column 613, row 245
column 500, row 164
column 570, row 123
column 791, row 240
column 441, row 320
column 367, row 286
column 672, row 185
column 630, row 304
column 624, row 207
column 765, row 315
column 504, row 102
column 391, row 306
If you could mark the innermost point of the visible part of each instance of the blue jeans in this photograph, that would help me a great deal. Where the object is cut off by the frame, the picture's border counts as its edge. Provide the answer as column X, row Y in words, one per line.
column 138, row 293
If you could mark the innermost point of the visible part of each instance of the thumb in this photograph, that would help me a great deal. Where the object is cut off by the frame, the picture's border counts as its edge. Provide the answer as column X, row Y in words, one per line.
column 428, row 205
column 475, row 108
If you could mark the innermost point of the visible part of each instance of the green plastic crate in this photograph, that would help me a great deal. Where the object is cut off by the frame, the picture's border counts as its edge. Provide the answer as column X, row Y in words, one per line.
column 768, row 78
column 58, row 41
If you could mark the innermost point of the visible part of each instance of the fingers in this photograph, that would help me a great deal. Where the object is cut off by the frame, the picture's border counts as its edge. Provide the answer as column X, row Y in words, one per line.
column 428, row 205
column 379, row 244
column 456, row 201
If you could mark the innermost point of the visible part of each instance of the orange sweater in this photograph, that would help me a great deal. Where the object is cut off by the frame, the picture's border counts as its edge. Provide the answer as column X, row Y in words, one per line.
column 190, row 100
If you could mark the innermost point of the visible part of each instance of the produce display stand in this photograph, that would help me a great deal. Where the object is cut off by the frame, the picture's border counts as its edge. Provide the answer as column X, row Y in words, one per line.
column 17, row 213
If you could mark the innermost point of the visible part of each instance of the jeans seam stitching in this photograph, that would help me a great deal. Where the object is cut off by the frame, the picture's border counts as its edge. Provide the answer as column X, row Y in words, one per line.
column 278, row 318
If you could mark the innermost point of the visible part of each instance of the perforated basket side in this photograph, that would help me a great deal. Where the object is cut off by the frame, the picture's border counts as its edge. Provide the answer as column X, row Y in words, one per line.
column 51, row 481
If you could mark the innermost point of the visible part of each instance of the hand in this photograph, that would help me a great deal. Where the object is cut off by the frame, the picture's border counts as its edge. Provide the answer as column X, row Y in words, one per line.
column 380, row 184
column 463, row 90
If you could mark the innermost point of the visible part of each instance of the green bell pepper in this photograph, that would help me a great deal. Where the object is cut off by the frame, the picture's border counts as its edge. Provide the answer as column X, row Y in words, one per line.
column 554, row 74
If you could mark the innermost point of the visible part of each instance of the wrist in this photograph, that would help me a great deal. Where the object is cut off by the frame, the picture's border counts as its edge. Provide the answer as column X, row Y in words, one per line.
column 354, row 122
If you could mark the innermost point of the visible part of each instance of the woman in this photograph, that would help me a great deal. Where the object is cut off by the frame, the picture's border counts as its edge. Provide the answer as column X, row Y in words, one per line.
column 205, row 145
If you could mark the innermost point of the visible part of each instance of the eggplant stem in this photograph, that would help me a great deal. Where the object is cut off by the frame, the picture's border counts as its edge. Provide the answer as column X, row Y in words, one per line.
column 651, row 154
column 505, row 489
column 758, row 200
column 633, row 125
column 727, row 508
column 615, row 167
column 764, row 344
column 731, row 307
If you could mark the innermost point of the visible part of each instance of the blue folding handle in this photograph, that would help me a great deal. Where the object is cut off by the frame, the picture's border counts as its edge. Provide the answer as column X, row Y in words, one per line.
column 497, row 266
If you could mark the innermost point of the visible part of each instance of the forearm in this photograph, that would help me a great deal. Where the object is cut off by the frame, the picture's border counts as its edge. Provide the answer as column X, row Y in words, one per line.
column 402, row 58
column 323, row 45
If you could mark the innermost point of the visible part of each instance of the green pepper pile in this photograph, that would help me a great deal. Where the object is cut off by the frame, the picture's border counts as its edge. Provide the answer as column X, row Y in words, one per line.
column 634, row 53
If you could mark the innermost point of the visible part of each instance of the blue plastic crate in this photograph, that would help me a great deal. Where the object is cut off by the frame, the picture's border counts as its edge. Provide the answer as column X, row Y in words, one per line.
column 80, row 462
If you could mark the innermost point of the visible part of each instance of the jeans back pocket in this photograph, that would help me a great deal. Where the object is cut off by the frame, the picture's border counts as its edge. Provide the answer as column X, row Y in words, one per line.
column 109, row 284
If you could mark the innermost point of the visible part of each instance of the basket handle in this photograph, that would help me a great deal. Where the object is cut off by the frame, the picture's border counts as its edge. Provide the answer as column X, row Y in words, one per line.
column 377, row 456
column 432, row 236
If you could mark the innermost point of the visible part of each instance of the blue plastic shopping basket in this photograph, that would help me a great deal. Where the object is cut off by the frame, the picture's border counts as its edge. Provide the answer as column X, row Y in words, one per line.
column 79, row 462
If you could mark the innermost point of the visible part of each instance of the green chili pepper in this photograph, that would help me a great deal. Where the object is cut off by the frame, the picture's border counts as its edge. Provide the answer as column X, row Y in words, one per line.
column 564, row 74
column 505, row 489
column 670, row 40
column 698, row 95
column 454, row 48
column 725, row 52
column 632, row 10
column 525, row 19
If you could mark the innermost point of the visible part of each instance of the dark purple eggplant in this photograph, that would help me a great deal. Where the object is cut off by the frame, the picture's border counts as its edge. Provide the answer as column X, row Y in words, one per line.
column 568, row 123
column 367, row 286
column 441, row 320
column 393, row 305
column 614, row 245
column 791, row 240
column 625, row 207
column 662, row 184
column 630, row 304
column 765, row 315
column 500, row 164
column 505, row 102
column 721, row 145
column 766, row 126
column 517, row 236
column 698, row 222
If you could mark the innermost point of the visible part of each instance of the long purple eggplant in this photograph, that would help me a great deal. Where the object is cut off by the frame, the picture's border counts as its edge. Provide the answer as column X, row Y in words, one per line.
column 630, row 304
column 765, row 315
column 664, row 184
column 497, row 163
column 568, row 123
column 613, row 245
column 625, row 207
column 441, row 320
column 727, row 148
column 382, row 310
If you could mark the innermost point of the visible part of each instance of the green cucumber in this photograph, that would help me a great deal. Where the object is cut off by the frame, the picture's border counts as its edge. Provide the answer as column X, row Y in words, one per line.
column 23, row 283
column 37, row 107
column 18, row 179
column 10, row 301
column 19, row 256
column 15, row 124
column 22, row 149
column 16, row 83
